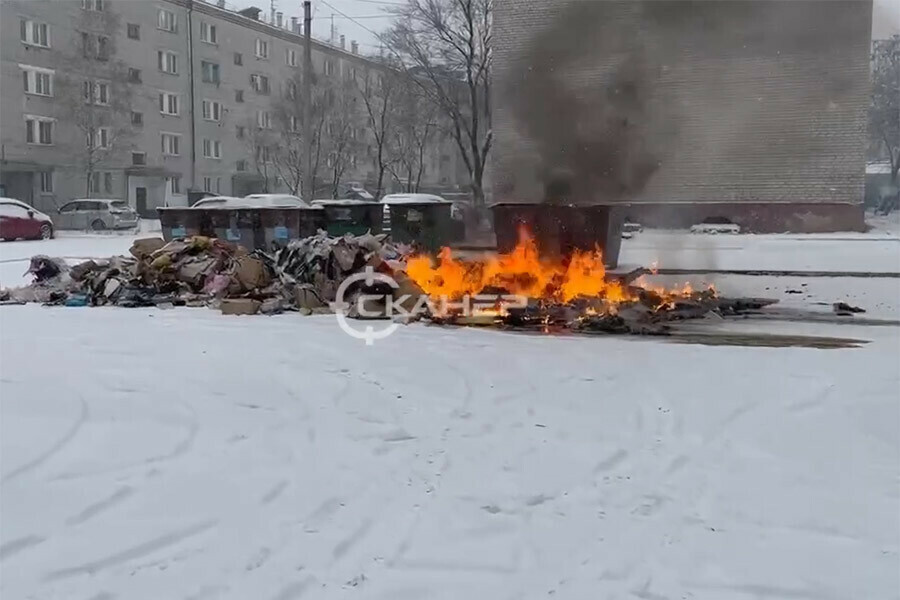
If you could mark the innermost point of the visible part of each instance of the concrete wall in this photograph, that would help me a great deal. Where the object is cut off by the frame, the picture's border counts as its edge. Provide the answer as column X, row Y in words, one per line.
column 680, row 101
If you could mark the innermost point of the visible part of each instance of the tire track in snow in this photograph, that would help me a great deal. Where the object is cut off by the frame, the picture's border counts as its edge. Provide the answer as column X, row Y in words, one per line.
column 55, row 448
column 15, row 546
column 139, row 551
column 93, row 510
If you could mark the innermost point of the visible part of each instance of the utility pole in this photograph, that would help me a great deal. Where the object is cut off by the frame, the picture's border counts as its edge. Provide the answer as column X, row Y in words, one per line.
column 308, row 184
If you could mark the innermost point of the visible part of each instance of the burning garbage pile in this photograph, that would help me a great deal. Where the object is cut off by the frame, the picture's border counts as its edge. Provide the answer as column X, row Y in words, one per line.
column 523, row 290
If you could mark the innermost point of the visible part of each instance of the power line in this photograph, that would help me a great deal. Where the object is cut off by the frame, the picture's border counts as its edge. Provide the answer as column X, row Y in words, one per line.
column 346, row 16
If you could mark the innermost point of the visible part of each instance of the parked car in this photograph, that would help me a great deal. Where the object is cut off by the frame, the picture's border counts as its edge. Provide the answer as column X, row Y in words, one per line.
column 216, row 202
column 275, row 201
column 96, row 214
column 20, row 220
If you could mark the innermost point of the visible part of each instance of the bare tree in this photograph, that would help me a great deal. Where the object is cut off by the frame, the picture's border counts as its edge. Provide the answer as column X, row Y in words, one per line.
column 261, row 144
column 379, row 91
column 884, row 111
column 340, row 137
column 446, row 44
column 94, row 90
column 416, row 122
column 291, row 150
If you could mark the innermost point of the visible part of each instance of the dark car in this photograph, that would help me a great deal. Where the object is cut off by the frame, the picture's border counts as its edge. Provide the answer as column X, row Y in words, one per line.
column 19, row 220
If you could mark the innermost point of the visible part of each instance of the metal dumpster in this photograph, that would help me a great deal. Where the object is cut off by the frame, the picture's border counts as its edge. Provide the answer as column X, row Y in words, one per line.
column 184, row 222
column 280, row 225
column 351, row 216
column 428, row 225
column 560, row 228
column 238, row 225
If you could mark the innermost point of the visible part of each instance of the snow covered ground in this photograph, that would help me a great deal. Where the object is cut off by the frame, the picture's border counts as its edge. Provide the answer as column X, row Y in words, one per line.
column 182, row 454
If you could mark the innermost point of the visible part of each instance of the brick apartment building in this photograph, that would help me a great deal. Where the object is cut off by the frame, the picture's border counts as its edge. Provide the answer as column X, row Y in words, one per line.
column 200, row 78
column 749, row 110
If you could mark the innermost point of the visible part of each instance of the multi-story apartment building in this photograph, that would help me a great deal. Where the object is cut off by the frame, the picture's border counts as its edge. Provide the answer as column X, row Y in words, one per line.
column 157, row 99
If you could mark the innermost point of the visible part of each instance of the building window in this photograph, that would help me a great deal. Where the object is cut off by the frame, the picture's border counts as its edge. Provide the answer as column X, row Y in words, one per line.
column 260, row 83
column 239, row 132
column 262, row 48
column 263, row 119
column 209, row 72
column 40, row 131
column 167, row 21
column 37, row 81
column 290, row 57
column 96, row 5
column 238, row 58
column 167, row 61
column 170, row 143
column 174, row 184
column 212, row 110
column 99, row 138
column 212, row 149
column 139, row 158
column 208, row 33
column 96, row 92
column 295, row 123
column 290, row 90
column 168, row 103
column 102, row 47
column 46, row 182
column 207, row 184
column 134, row 31
column 238, row 95
column 107, row 182
column 329, row 67
column 240, row 165
column 100, row 182
column 137, row 118
column 134, row 75
column 34, row 33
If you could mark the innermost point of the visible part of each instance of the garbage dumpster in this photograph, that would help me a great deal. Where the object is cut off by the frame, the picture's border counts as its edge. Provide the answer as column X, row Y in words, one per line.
column 184, row 222
column 280, row 225
column 351, row 216
column 429, row 225
column 238, row 225
column 560, row 229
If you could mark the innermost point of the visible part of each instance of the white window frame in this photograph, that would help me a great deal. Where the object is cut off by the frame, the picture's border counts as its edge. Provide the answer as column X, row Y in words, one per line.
column 212, row 110
column 174, row 184
column 207, row 183
column 256, row 82
column 328, row 67
column 98, row 87
column 166, row 101
column 263, row 119
column 31, row 27
column 95, row 5
column 166, row 20
column 208, row 33
column 166, row 59
column 173, row 148
column 215, row 72
column 290, row 57
column 33, row 122
column 262, row 48
column 31, row 80
column 99, row 139
column 212, row 149
column 46, row 182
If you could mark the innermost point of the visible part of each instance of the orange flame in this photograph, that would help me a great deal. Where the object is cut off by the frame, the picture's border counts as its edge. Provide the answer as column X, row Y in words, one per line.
column 522, row 272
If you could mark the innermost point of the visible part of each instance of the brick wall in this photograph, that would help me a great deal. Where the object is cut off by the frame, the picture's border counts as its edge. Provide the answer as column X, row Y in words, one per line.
column 677, row 101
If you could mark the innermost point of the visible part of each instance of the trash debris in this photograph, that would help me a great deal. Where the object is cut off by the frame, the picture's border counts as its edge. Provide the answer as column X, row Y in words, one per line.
column 201, row 271
column 240, row 306
column 843, row 309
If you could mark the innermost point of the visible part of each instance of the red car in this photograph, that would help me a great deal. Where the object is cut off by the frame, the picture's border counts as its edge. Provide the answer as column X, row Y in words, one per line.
column 19, row 220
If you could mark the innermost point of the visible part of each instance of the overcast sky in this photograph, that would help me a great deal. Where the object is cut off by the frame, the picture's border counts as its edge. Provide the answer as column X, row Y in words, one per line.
column 368, row 17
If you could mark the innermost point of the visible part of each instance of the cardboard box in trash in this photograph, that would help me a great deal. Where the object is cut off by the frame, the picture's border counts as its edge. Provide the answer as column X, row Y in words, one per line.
column 240, row 306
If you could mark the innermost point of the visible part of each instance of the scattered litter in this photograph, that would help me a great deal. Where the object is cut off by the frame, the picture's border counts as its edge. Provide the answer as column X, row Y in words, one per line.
column 843, row 309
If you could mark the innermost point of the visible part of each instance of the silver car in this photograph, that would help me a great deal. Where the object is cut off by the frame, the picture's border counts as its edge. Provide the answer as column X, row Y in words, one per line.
column 96, row 214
